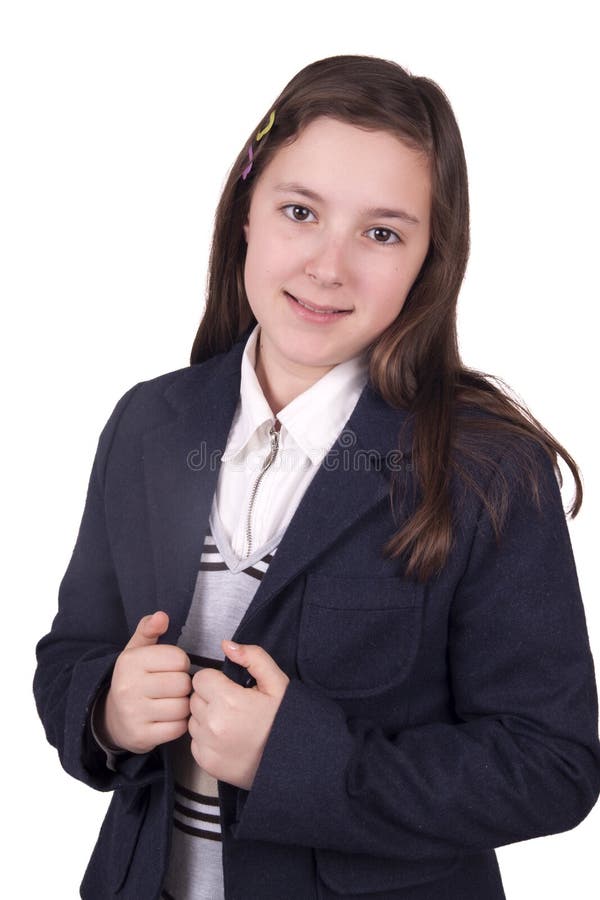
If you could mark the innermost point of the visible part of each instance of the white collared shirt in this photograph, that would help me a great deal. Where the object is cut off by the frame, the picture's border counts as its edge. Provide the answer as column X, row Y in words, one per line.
column 310, row 425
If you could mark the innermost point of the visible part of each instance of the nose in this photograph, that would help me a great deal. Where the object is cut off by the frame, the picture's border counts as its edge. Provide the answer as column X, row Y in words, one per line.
column 326, row 262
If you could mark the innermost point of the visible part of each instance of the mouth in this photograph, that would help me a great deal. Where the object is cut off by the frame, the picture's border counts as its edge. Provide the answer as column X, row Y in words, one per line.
column 324, row 310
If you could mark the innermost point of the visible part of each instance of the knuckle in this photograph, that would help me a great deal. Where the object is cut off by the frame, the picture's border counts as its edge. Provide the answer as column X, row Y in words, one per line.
column 229, row 701
column 183, row 659
column 120, row 689
column 216, row 724
column 173, row 657
column 199, row 679
column 178, row 730
column 205, row 676
column 182, row 707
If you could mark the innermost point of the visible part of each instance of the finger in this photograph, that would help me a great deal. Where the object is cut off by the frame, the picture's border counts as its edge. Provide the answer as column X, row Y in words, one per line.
column 167, row 710
column 162, row 732
column 168, row 684
column 163, row 658
column 198, row 706
column 148, row 630
column 210, row 684
column 268, row 677
column 199, row 729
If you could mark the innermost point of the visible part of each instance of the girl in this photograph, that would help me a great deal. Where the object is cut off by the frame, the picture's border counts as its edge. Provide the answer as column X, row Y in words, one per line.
column 377, row 527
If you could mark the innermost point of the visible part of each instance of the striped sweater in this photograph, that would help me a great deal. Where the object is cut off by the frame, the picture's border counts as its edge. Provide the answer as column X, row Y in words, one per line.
column 223, row 591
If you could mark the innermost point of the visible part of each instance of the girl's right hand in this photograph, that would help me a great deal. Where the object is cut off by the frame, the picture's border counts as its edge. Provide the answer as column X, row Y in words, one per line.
column 148, row 702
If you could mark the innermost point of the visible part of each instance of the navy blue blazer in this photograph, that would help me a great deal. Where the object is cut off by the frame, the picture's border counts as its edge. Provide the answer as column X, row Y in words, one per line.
column 424, row 724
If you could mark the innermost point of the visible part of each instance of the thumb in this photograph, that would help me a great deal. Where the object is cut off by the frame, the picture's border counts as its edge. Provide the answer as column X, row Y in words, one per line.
column 270, row 679
column 148, row 630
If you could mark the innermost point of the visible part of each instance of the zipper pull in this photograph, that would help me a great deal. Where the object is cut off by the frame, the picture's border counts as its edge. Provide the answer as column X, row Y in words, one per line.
column 274, row 436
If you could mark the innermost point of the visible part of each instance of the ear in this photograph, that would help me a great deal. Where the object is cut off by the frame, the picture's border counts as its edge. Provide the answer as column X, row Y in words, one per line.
column 246, row 226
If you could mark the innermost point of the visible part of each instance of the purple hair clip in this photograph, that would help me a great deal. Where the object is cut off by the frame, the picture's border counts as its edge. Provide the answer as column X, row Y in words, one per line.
column 246, row 171
column 259, row 135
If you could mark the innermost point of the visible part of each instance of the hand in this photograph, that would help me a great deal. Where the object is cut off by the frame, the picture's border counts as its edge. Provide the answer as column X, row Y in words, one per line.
column 230, row 724
column 148, row 702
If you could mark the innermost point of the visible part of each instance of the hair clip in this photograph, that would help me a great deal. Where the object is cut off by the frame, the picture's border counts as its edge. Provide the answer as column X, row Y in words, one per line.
column 259, row 135
column 268, row 127
column 246, row 171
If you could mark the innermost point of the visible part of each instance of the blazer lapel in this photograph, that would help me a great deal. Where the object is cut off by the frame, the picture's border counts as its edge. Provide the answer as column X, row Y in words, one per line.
column 181, row 468
column 352, row 479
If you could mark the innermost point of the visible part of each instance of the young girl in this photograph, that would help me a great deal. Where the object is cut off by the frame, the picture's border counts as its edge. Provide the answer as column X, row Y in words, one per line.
column 377, row 527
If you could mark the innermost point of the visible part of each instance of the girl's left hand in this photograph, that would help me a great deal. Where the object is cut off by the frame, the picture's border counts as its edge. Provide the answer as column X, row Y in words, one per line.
column 229, row 724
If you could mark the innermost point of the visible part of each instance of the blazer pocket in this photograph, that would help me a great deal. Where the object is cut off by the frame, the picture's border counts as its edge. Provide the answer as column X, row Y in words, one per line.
column 345, row 875
column 358, row 636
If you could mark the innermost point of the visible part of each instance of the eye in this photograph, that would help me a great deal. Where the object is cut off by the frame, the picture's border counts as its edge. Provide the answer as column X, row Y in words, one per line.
column 382, row 236
column 296, row 213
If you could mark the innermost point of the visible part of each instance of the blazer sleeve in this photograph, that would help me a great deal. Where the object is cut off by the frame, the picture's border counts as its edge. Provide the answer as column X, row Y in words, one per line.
column 76, row 658
column 523, row 759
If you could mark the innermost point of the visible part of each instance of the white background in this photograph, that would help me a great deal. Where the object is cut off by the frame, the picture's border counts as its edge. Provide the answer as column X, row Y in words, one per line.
column 119, row 123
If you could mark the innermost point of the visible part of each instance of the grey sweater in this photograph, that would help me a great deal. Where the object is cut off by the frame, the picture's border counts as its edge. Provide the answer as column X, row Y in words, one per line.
column 224, row 589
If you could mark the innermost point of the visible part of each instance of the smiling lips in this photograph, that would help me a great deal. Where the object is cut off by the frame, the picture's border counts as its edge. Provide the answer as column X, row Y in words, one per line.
column 317, row 309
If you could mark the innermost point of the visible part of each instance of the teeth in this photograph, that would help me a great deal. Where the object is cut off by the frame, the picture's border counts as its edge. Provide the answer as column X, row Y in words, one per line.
column 312, row 309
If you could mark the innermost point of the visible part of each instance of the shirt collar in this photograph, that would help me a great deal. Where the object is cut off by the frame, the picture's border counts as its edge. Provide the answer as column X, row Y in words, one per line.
column 313, row 419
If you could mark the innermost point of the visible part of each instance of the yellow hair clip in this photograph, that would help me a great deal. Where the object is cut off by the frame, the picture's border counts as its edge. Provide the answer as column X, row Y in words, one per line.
column 268, row 127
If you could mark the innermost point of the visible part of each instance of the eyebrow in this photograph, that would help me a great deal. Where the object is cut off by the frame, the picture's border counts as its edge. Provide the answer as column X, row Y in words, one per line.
column 375, row 211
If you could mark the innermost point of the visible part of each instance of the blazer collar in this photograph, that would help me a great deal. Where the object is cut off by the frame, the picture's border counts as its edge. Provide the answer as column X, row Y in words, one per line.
column 181, row 468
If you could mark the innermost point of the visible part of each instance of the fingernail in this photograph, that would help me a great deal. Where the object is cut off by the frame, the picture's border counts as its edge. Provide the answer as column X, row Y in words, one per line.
column 232, row 646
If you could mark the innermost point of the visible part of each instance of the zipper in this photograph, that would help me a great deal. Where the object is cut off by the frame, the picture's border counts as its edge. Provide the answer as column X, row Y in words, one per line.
column 274, row 437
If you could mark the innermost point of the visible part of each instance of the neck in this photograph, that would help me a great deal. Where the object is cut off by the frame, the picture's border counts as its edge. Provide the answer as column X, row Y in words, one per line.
column 280, row 387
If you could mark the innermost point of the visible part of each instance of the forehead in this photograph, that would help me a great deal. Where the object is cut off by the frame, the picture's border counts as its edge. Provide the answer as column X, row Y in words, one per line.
column 340, row 161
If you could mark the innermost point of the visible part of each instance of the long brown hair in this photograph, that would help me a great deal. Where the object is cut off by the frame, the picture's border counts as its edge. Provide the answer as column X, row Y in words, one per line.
column 415, row 363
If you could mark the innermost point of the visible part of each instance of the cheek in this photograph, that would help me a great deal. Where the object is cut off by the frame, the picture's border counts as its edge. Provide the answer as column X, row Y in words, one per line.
column 384, row 303
column 389, row 290
column 264, row 262
column 254, row 284
column 250, row 273
column 402, row 279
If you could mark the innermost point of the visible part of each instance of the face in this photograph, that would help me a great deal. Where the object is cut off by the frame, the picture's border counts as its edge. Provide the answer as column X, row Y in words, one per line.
column 339, row 219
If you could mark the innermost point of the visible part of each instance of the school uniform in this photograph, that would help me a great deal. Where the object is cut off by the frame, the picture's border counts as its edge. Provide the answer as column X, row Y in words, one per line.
column 423, row 725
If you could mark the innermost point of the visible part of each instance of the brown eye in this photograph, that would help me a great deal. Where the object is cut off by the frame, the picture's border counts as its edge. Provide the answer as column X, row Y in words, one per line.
column 296, row 213
column 385, row 236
